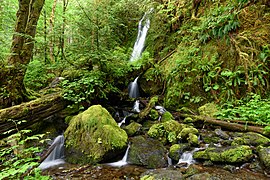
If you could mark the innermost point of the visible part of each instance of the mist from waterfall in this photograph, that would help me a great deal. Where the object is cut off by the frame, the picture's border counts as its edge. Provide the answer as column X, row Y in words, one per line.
column 144, row 25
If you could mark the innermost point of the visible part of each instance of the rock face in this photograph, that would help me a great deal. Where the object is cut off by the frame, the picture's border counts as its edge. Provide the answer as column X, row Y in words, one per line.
column 93, row 136
column 233, row 154
column 147, row 152
column 250, row 138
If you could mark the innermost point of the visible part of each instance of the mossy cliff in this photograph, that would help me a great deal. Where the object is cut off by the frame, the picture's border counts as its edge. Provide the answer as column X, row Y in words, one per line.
column 93, row 136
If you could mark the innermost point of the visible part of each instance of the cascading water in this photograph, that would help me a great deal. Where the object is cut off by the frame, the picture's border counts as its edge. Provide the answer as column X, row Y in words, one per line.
column 122, row 122
column 56, row 156
column 136, row 106
column 133, row 89
column 123, row 161
column 143, row 27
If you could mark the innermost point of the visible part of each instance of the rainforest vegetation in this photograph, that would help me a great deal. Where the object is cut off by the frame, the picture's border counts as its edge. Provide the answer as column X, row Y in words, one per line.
column 196, row 52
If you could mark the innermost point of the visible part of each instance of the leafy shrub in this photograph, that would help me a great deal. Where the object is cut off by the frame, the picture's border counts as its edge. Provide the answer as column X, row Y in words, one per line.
column 16, row 158
column 253, row 108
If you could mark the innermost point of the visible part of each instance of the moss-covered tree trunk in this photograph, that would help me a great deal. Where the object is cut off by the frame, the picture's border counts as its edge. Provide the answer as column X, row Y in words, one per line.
column 12, row 89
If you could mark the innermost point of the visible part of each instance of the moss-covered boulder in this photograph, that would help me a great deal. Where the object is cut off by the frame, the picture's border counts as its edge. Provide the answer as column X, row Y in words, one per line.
column 145, row 112
column 147, row 152
column 250, row 138
column 209, row 109
column 232, row 154
column 166, row 131
column 184, row 134
column 162, row 174
column 154, row 114
column 177, row 150
column 93, row 136
column 264, row 154
column 133, row 128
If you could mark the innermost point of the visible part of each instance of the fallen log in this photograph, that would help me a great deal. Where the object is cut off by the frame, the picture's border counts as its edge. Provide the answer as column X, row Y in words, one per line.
column 33, row 111
column 234, row 126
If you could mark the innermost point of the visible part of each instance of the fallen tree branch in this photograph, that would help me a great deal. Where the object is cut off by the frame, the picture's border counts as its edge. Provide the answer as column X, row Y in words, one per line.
column 235, row 126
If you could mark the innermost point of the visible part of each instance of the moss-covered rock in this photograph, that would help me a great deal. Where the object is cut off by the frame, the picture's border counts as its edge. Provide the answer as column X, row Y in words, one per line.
column 193, row 139
column 147, row 152
column 167, row 116
column 93, row 136
column 145, row 112
column 186, row 131
column 264, row 154
column 132, row 128
column 166, row 131
column 177, row 150
column 250, row 138
column 233, row 154
column 209, row 109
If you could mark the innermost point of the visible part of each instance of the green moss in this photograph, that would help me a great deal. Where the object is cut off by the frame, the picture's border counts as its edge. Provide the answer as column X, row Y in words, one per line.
column 174, row 152
column 153, row 114
column 251, row 138
column 167, row 131
column 234, row 154
column 132, row 128
column 264, row 154
column 186, row 131
column 94, row 133
column 167, row 116
column 193, row 139
column 188, row 120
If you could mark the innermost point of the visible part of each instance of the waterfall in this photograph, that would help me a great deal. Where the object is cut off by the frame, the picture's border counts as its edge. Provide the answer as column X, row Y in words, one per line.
column 56, row 156
column 123, row 161
column 143, row 27
column 122, row 122
column 133, row 89
column 136, row 106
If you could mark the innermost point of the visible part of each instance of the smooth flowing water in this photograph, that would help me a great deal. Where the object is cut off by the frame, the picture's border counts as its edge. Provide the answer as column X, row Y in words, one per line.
column 56, row 157
column 133, row 89
column 136, row 106
column 123, row 161
column 143, row 27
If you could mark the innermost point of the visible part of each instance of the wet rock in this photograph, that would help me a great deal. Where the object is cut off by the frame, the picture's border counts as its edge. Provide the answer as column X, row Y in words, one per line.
column 177, row 150
column 208, row 109
column 264, row 154
column 250, row 138
column 222, row 134
column 184, row 134
column 93, row 136
column 133, row 128
column 162, row 174
column 201, row 176
column 233, row 154
column 166, row 131
column 147, row 152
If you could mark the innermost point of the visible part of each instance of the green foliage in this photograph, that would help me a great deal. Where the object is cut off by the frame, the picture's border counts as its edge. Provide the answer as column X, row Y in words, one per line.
column 218, row 23
column 253, row 109
column 17, row 157
column 37, row 76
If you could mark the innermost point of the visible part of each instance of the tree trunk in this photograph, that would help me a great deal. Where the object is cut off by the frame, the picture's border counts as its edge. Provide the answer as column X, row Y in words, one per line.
column 51, row 30
column 11, row 78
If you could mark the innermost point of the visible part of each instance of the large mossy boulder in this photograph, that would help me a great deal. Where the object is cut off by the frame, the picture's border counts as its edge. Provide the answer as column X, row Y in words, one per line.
column 177, row 150
column 232, row 154
column 93, row 136
column 133, row 128
column 147, row 152
column 166, row 131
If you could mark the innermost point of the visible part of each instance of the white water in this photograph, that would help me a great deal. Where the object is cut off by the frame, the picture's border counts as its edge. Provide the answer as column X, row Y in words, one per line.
column 56, row 156
column 123, row 161
column 143, row 27
column 136, row 106
column 133, row 89
column 187, row 157
column 122, row 122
